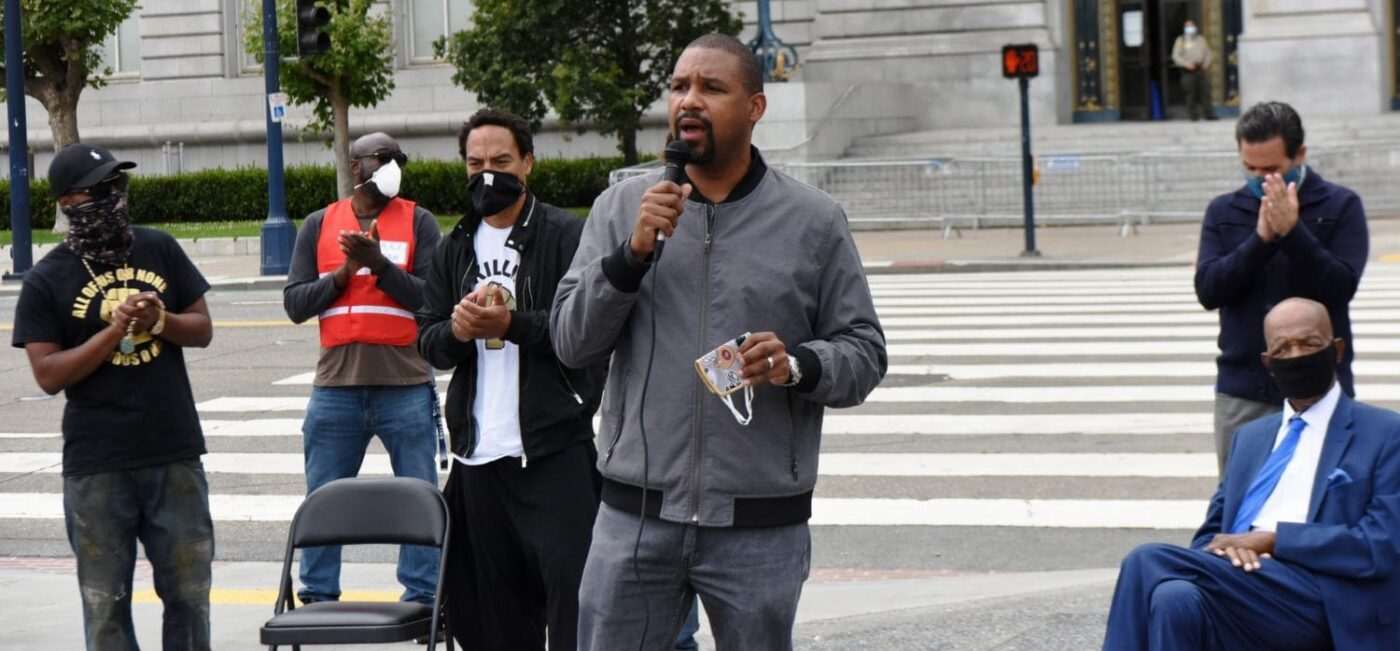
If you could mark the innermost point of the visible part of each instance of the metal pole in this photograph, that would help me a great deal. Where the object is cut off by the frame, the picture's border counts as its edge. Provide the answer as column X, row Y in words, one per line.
column 278, row 232
column 1027, row 169
column 21, row 249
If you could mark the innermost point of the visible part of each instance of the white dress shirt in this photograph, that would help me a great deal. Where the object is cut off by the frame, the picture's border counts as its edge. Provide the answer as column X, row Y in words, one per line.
column 1293, row 495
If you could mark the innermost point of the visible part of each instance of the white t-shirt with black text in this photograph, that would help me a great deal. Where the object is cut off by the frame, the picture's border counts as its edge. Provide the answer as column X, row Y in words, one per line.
column 497, row 404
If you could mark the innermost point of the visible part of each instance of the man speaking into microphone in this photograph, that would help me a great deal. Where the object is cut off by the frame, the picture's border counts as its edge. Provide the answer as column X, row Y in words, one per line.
column 725, row 353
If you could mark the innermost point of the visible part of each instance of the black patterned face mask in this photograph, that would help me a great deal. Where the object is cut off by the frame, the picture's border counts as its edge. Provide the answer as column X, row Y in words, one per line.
column 100, row 229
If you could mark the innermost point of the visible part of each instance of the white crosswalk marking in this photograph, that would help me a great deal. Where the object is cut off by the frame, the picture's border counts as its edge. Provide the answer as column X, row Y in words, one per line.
column 1074, row 400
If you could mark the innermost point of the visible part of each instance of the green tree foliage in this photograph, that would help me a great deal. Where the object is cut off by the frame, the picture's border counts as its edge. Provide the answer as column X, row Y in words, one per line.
column 62, row 56
column 595, row 62
column 358, row 70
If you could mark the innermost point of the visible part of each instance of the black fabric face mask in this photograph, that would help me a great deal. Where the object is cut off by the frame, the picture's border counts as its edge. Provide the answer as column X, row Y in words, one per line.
column 493, row 192
column 1308, row 376
column 100, row 229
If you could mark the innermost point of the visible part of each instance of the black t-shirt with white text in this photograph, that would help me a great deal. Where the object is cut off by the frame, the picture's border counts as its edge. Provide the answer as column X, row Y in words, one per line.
column 136, row 410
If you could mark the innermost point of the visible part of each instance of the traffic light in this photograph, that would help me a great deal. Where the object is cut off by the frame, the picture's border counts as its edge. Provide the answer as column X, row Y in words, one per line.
column 312, row 38
column 1019, row 61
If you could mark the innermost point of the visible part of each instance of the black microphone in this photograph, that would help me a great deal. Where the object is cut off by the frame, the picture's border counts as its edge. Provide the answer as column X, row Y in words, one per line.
column 677, row 155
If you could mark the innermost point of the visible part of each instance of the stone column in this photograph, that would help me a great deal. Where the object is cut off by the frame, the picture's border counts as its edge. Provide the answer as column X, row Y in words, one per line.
column 1322, row 56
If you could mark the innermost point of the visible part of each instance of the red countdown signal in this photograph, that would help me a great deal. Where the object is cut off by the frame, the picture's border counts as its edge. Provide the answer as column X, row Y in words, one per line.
column 1020, row 61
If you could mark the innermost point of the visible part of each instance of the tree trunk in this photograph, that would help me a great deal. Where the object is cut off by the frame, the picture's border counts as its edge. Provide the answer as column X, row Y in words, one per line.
column 63, row 124
column 628, row 144
column 340, row 108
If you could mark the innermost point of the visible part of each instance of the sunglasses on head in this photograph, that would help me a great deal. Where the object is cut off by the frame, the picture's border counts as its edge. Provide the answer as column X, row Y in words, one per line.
column 385, row 156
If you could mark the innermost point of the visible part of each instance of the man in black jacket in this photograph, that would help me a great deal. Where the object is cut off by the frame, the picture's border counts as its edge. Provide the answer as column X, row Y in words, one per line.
column 1287, row 232
column 523, row 488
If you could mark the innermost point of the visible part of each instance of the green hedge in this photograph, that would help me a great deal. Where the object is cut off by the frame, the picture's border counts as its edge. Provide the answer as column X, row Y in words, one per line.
column 241, row 194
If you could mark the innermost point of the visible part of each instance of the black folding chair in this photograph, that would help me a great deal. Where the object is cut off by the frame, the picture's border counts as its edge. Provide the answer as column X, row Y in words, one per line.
column 397, row 511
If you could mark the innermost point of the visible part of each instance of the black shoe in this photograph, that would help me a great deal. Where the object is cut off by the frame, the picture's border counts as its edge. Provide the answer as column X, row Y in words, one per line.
column 441, row 636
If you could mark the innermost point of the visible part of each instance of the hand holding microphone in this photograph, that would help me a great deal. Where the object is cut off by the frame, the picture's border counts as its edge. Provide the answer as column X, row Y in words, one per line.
column 662, row 204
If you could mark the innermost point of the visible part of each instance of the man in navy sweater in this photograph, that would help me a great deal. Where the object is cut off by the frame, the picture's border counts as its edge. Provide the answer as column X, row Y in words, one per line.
column 1287, row 232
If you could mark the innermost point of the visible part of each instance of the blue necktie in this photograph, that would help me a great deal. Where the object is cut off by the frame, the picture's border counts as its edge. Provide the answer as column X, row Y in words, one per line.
column 1268, row 477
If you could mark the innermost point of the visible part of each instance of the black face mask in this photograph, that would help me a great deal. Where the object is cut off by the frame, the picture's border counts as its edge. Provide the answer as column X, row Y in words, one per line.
column 1308, row 376
column 493, row 192
column 100, row 229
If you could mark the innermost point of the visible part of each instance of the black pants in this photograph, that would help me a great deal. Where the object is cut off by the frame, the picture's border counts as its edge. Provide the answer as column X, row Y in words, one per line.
column 1197, row 87
column 520, row 538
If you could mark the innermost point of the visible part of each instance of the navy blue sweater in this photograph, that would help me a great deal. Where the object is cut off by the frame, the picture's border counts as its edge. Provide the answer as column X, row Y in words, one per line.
column 1244, row 277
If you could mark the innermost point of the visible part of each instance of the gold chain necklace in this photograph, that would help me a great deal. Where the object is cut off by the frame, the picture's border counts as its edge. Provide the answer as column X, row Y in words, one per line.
column 128, row 344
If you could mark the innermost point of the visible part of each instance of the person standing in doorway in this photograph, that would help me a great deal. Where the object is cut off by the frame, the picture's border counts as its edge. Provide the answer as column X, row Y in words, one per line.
column 1192, row 54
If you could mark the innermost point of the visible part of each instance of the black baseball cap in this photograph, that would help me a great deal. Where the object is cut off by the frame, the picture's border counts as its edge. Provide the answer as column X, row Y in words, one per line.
column 82, row 166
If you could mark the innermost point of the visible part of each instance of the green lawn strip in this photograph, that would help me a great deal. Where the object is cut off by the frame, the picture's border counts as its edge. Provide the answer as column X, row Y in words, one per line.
column 230, row 229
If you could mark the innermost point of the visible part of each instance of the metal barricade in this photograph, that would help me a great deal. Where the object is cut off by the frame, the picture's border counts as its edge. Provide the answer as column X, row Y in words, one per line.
column 1101, row 188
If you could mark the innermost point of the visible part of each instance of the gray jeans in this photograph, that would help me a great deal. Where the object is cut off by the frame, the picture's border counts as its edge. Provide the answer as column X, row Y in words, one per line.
column 166, row 508
column 1231, row 414
column 749, row 580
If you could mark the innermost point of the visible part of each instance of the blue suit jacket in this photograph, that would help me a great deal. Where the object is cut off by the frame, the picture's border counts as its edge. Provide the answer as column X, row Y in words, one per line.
column 1351, row 541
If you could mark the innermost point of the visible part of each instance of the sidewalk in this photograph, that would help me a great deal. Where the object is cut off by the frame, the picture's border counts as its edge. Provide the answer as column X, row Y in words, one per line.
column 233, row 265
column 40, row 599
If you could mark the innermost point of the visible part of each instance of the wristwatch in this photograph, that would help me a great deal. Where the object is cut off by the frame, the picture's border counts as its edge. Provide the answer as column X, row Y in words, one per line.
column 794, row 372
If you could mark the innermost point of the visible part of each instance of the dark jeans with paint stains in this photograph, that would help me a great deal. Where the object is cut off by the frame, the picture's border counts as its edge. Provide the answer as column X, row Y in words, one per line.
column 165, row 507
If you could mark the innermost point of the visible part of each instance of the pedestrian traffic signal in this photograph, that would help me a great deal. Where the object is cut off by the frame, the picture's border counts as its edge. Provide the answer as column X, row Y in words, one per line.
column 1020, row 61
column 312, row 38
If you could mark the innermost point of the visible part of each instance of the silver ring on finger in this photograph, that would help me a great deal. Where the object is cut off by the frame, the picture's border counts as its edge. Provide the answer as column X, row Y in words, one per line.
column 770, row 362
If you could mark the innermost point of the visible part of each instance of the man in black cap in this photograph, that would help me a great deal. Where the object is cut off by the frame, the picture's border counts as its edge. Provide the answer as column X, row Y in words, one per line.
column 105, row 318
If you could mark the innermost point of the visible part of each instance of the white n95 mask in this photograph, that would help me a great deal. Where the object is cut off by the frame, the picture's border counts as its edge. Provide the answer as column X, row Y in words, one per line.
column 722, row 372
column 387, row 179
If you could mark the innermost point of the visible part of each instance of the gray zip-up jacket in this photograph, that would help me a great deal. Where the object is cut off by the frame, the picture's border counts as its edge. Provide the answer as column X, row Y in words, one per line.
column 776, row 256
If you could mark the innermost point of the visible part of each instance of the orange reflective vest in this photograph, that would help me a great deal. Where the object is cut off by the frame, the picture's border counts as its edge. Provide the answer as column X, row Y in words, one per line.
column 364, row 314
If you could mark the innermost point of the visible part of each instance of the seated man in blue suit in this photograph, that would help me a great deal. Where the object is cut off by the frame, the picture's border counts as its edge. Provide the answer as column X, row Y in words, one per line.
column 1300, row 544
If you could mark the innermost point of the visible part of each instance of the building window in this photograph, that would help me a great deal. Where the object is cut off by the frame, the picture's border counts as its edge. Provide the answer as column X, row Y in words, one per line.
column 430, row 20
column 121, row 50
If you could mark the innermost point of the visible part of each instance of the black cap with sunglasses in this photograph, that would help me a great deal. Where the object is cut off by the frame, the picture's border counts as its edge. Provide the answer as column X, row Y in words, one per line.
column 80, row 167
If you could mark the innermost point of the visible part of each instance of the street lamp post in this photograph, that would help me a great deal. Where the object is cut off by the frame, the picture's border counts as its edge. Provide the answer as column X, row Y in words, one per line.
column 21, row 246
column 278, row 232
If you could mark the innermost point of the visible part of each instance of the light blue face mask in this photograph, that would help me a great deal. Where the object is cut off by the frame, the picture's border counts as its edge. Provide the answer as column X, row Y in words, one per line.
column 1256, row 183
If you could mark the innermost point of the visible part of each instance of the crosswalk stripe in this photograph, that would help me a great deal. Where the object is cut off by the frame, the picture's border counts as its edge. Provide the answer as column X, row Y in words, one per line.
column 1055, row 294
column 1195, row 317
column 1164, row 465
column 1093, row 348
column 1173, row 311
column 1078, row 514
column 925, row 394
column 1025, row 424
column 1203, row 370
column 967, row 283
column 1046, row 513
column 1073, row 394
column 1123, row 304
column 1146, row 332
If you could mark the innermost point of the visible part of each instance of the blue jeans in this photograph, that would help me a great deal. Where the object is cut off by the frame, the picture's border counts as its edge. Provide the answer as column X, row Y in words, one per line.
column 686, row 640
column 339, row 424
column 167, row 509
